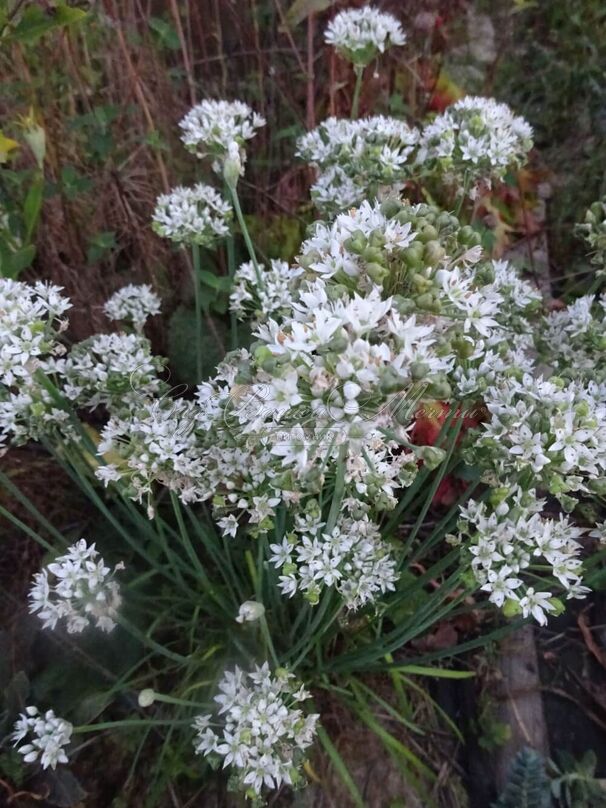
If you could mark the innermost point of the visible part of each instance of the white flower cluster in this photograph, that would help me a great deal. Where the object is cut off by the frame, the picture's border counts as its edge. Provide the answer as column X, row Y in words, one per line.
column 264, row 732
column 196, row 215
column 549, row 433
column 211, row 127
column 511, row 541
column 156, row 443
column 133, row 304
column 573, row 340
column 358, row 160
column 79, row 588
column 593, row 231
column 111, row 369
column 475, row 140
column 360, row 34
column 30, row 324
column 30, row 327
column 273, row 299
column 351, row 557
column 33, row 413
column 48, row 735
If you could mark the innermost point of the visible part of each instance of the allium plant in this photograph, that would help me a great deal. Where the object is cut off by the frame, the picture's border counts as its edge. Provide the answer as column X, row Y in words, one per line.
column 211, row 127
column 197, row 215
column 77, row 587
column 593, row 231
column 358, row 160
column 46, row 735
column 360, row 34
column 262, row 732
column 475, row 141
column 133, row 305
column 283, row 513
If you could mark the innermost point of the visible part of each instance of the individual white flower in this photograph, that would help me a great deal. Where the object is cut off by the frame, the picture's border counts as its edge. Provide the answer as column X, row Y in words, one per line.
column 263, row 734
column 211, row 127
column 250, row 611
column 133, row 304
column 536, row 604
column 359, row 34
column 78, row 588
column 196, row 215
column 46, row 737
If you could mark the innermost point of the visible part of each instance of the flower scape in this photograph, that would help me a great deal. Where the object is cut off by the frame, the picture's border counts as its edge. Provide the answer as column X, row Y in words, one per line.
column 271, row 497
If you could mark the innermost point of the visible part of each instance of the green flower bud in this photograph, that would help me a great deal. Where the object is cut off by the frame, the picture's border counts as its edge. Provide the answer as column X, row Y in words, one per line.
column 377, row 273
column 427, row 234
column 432, row 456
column 511, row 608
column 433, row 253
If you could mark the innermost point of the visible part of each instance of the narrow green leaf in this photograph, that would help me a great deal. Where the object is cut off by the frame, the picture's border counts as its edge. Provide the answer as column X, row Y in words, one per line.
column 340, row 767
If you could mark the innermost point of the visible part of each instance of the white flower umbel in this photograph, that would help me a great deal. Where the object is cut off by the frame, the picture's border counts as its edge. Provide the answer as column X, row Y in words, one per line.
column 593, row 231
column 30, row 325
column 196, row 215
column 573, row 340
column 155, row 442
column 46, row 737
column 358, row 160
column 510, row 543
column 260, row 731
column 211, row 127
column 32, row 413
column 112, row 369
column 273, row 299
column 133, row 304
column 360, row 34
column 351, row 557
column 548, row 431
column 79, row 588
column 475, row 140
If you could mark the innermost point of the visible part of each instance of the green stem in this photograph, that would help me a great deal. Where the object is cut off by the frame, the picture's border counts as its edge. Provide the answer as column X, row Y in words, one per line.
column 231, row 268
column 195, row 251
column 247, row 240
column 355, row 104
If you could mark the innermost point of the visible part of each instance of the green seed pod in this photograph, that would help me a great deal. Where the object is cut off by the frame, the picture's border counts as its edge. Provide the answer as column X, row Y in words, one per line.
column 433, row 253
column 391, row 207
column 391, row 381
column 377, row 273
column 428, row 233
column 425, row 301
column 356, row 243
column 404, row 305
column 467, row 235
column 419, row 370
column 413, row 255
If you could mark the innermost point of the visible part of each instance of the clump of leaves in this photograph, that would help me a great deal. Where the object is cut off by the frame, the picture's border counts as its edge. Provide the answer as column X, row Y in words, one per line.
column 528, row 786
column 574, row 783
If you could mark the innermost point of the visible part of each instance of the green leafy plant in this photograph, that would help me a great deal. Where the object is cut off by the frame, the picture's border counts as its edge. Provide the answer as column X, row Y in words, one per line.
column 528, row 785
